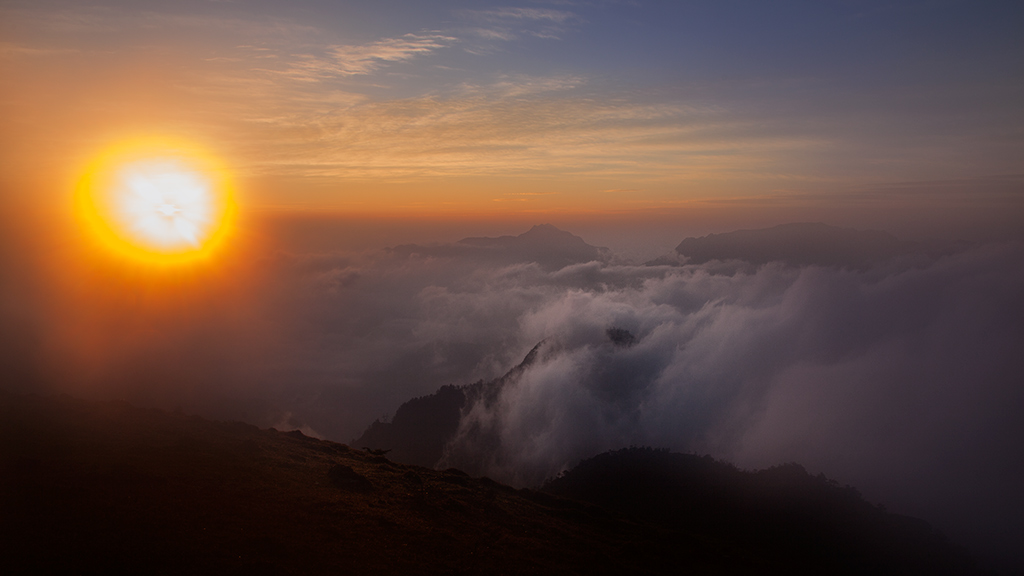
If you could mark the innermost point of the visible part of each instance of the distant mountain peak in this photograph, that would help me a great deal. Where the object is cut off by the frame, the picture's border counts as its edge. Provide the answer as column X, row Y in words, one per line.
column 548, row 231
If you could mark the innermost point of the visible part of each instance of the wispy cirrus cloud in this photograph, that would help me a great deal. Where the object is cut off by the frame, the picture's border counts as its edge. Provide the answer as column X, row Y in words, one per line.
column 11, row 50
column 507, row 24
column 493, row 34
column 540, row 124
column 351, row 60
column 513, row 124
column 523, row 14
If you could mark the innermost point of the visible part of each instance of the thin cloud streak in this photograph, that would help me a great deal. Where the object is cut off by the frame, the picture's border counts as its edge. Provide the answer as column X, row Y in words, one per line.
column 535, row 14
column 515, row 124
column 365, row 59
column 543, row 23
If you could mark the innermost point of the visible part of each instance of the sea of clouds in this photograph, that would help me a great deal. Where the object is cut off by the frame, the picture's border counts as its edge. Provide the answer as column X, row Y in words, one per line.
column 903, row 379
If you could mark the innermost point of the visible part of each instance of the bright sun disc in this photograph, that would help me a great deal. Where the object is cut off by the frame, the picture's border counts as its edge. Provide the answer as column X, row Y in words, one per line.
column 158, row 201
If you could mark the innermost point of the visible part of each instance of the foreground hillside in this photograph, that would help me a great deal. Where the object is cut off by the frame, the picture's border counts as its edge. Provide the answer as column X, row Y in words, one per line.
column 108, row 488
column 782, row 515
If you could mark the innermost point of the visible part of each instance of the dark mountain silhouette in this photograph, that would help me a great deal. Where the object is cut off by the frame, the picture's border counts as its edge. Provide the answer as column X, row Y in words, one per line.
column 782, row 514
column 423, row 426
column 799, row 244
column 420, row 428
column 91, row 488
column 544, row 244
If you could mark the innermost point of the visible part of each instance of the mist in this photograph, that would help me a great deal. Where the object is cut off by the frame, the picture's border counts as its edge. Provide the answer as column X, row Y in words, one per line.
column 901, row 378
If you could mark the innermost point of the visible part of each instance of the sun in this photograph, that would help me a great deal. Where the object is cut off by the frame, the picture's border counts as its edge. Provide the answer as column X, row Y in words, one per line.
column 157, row 200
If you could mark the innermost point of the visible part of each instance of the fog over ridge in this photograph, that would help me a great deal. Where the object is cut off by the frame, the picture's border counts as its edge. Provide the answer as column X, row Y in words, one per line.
column 901, row 377
column 898, row 377
column 713, row 347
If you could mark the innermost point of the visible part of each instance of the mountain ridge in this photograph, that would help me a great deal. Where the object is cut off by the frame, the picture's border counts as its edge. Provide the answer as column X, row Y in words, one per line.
column 422, row 427
column 779, row 510
column 549, row 247
column 794, row 244
column 109, row 488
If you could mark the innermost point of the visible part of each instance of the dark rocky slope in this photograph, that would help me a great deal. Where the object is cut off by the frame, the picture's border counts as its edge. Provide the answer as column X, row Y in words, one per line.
column 782, row 515
column 107, row 488
column 422, row 427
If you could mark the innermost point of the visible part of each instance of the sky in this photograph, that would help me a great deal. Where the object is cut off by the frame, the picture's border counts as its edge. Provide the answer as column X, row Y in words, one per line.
column 364, row 139
column 499, row 110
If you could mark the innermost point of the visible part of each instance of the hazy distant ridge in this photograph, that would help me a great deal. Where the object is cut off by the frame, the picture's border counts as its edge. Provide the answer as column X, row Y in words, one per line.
column 544, row 244
column 798, row 244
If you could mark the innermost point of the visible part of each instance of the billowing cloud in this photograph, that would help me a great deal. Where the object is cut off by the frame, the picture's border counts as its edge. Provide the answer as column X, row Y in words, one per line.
column 715, row 342
column 900, row 380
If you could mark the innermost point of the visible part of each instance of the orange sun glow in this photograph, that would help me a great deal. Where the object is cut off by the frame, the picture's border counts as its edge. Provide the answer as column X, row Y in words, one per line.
column 159, row 201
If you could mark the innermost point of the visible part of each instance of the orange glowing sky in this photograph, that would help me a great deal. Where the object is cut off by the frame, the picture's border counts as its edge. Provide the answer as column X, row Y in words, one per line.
column 490, row 110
